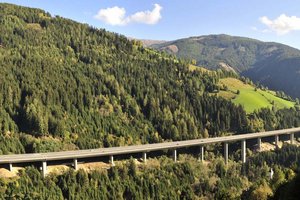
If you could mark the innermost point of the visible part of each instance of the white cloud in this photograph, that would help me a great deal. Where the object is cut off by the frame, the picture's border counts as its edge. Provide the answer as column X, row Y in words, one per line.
column 282, row 24
column 117, row 16
column 112, row 16
column 147, row 17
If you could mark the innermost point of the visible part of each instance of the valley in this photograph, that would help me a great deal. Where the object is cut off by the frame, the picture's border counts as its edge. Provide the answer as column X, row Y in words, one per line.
column 68, row 88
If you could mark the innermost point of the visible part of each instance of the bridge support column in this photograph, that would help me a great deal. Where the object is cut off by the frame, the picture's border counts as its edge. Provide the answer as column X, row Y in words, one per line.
column 277, row 141
column 226, row 153
column 44, row 168
column 259, row 144
column 201, row 153
column 292, row 138
column 144, row 157
column 243, row 151
column 111, row 160
column 75, row 163
column 175, row 155
column 10, row 167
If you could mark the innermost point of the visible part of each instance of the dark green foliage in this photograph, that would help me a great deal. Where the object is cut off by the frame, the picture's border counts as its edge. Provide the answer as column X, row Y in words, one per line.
column 280, row 119
column 92, row 88
column 166, row 183
column 289, row 190
column 284, row 162
column 32, row 186
column 288, row 156
column 10, row 143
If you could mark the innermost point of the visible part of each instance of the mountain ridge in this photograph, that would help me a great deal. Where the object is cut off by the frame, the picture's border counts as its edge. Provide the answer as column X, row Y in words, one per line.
column 263, row 62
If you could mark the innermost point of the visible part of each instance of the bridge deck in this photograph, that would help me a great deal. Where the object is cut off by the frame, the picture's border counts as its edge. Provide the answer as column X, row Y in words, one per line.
column 64, row 155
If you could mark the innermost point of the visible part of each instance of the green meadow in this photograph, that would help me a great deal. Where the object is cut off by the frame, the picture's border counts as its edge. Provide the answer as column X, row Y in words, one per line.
column 250, row 98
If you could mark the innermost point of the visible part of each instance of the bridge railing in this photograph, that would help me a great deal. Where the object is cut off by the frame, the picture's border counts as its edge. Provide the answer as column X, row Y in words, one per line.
column 112, row 151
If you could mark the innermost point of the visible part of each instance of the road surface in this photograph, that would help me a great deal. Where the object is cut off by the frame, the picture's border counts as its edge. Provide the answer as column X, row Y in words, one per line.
column 65, row 155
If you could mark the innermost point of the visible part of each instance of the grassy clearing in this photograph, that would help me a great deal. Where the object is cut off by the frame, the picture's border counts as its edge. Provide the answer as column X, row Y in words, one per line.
column 278, row 102
column 250, row 98
column 201, row 69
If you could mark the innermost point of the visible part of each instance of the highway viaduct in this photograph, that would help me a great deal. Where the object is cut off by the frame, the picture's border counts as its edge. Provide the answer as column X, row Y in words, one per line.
column 43, row 158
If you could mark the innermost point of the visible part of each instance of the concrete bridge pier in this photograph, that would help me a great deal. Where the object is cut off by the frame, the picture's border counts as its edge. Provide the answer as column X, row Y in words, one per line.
column 277, row 141
column 243, row 144
column 175, row 155
column 259, row 144
column 201, row 154
column 111, row 160
column 144, row 157
column 75, row 163
column 44, row 168
column 10, row 167
column 292, row 138
column 226, row 152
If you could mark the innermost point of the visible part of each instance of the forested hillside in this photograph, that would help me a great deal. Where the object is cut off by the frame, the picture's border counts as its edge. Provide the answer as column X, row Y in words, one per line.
column 66, row 85
column 90, row 88
column 268, row 63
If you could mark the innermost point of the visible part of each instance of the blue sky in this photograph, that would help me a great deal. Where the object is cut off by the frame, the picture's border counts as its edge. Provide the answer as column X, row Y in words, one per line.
column 266, row 20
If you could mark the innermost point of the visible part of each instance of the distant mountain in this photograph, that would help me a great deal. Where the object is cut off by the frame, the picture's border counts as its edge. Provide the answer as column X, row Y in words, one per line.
column 272, row 64
column 281, row 74
column 148, row 43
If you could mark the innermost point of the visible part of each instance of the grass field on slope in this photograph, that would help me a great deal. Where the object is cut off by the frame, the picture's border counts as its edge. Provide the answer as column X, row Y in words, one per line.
column 202, row 69
column 249, row 98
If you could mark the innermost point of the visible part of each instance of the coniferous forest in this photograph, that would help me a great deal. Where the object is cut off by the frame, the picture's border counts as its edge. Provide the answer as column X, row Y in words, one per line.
column 66, row 85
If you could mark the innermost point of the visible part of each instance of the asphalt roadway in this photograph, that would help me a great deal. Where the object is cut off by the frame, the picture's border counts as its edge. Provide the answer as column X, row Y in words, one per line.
column 65, row 155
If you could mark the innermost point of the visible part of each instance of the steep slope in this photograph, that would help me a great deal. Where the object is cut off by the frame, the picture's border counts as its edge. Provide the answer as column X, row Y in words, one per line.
column 264, row 62
column 67, row 85
column 282, row 74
